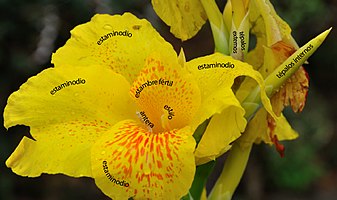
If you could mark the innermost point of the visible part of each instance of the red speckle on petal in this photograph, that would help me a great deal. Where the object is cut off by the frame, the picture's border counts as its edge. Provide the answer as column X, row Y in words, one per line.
column 279, row 147
column 159, row 164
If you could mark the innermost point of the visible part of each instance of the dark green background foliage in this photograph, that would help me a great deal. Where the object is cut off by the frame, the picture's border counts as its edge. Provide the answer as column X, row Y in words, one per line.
column 31, row 30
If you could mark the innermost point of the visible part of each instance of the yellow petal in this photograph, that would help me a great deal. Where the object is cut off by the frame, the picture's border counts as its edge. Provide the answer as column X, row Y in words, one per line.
column 185, row 17
column 266, row 24
column 67, row 109
column 130, row 161
column 58, row 148
column 261, row 128
column 282, row 129
column 268, row 28
column 221, row 131
column 215, row 75
column 167, row 95
column 120, row 42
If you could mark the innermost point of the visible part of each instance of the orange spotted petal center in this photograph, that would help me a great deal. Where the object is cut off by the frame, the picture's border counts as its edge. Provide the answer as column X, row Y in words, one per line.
column 166, row 95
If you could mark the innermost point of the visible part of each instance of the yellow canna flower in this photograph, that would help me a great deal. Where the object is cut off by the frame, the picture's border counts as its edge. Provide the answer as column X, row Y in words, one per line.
column 121, row 107
column 185, row 17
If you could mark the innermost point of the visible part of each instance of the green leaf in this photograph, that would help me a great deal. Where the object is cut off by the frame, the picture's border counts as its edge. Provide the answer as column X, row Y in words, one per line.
column 200, row 179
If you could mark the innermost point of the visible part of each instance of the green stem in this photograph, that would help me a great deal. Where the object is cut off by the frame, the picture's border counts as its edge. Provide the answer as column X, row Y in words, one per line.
column 232, row 172
column 201, row 175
